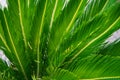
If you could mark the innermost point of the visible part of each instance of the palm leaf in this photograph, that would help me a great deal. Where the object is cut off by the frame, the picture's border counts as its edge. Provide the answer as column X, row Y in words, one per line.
column 95, row 67
column 15, row 35
column 60, row 39
column 81, row 42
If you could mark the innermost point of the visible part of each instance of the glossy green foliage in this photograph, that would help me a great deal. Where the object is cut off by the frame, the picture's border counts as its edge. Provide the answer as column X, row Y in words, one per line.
column 60, row 39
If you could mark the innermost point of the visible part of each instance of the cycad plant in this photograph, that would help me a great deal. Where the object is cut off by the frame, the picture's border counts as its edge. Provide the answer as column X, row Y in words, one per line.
column 59, row 39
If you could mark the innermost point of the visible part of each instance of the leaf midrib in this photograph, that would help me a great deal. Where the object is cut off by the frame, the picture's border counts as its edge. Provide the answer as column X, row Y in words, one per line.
column 53, row 14
column 74, row 16
column 4, row 42
column 39, row 36
column 28, row 3
column 21, row 23
column 100, row 78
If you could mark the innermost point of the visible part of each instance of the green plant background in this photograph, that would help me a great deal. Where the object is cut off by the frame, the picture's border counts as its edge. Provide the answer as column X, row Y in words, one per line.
column 60, row 40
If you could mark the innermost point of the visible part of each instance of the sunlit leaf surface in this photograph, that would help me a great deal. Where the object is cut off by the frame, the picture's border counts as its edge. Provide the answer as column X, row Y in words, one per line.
column 59, row 39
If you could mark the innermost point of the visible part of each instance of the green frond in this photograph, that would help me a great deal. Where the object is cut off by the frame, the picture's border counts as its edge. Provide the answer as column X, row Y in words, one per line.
column 59, row 39
column 95, row 67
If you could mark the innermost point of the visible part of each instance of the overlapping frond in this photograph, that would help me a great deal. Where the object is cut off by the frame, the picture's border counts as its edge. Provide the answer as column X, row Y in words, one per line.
column 60, row 39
